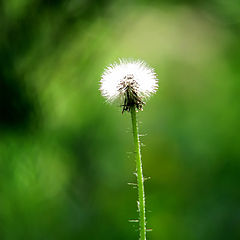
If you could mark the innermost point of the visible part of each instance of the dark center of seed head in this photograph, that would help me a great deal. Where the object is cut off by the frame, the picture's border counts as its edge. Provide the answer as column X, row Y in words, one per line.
column 129, row 87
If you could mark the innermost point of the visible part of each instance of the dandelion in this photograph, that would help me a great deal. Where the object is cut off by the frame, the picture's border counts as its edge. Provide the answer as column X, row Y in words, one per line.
column 131, row 82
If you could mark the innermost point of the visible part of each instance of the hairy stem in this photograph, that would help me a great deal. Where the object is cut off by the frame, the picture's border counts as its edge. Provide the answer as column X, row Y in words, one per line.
column 140, row 179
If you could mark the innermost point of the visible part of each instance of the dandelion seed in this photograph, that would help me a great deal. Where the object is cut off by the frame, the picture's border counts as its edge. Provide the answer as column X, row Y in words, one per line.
column 131, row 82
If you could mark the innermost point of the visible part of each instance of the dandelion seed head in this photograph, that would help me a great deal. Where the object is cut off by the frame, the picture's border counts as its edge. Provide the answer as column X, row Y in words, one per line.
column 129, row 81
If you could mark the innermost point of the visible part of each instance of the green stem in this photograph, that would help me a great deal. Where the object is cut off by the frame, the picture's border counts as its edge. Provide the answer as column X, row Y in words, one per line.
column 140, row 179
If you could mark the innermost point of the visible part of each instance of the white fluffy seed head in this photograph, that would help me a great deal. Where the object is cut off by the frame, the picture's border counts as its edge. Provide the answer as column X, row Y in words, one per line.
column 132, row 78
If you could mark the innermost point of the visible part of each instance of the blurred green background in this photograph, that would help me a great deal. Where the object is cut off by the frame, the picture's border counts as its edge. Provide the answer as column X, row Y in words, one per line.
column 65, row 154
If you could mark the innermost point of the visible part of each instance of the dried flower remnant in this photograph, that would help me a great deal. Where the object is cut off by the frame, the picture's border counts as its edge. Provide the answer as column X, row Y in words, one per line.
column 130, row 81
